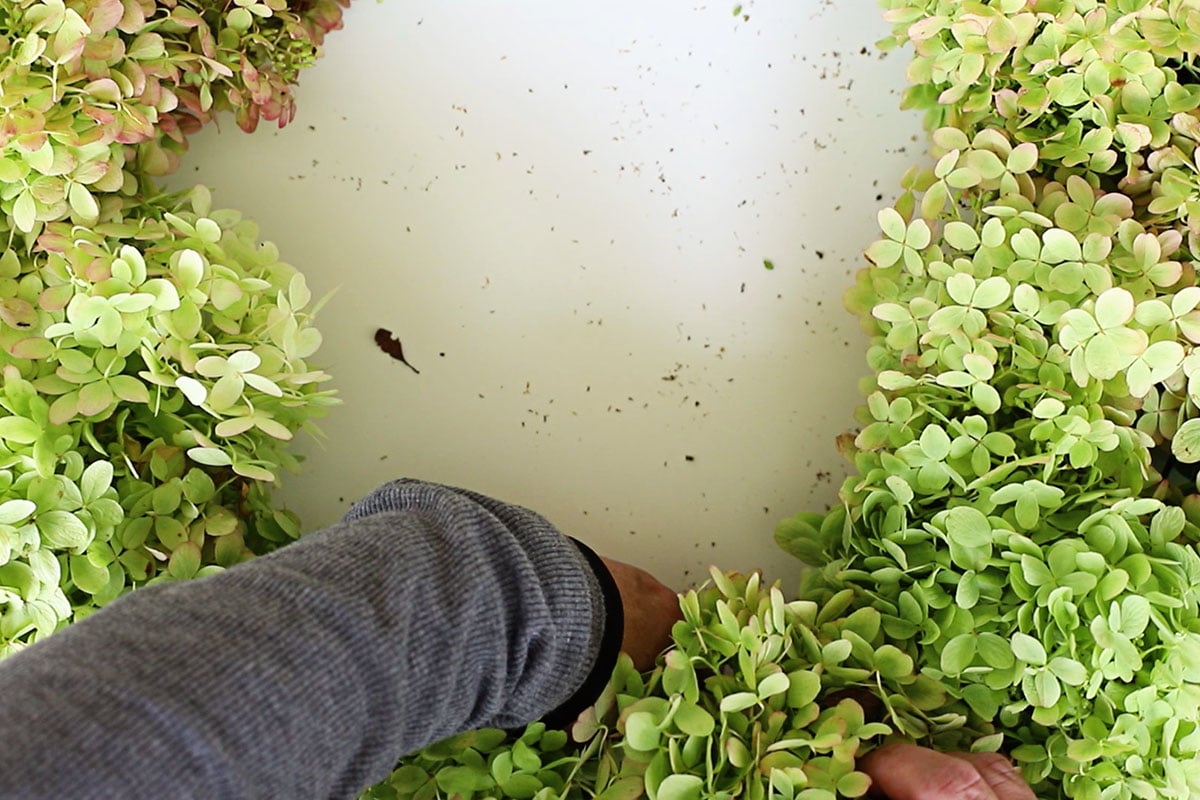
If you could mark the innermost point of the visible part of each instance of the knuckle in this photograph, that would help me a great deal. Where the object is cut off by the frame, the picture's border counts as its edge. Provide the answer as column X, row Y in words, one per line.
column 993, row 764
column 1003, row 776
column 957, row 780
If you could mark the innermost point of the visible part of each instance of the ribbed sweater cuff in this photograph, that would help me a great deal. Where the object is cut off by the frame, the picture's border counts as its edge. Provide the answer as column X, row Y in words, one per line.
column 610, row 645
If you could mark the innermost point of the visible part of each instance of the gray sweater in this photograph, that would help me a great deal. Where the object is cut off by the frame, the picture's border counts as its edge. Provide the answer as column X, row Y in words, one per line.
column 306, row 673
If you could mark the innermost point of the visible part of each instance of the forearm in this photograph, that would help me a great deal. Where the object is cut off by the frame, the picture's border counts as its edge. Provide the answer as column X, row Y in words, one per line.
column 305, row 673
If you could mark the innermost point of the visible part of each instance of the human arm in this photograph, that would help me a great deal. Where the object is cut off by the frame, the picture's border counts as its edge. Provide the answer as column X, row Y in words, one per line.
column 307, row 672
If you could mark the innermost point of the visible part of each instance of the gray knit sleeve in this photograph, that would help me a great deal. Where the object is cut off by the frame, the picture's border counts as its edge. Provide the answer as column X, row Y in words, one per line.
column 306, row 673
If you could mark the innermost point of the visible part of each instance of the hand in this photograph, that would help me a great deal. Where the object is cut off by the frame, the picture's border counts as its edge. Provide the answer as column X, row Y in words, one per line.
column 650, row 611
column 907, row 772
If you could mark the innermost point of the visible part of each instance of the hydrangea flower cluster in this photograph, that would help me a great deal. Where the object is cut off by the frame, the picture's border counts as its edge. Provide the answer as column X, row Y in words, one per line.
column 153, row 351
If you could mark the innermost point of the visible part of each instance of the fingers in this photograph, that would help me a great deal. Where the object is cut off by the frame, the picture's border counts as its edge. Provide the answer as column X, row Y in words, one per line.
column 1000, row 774
column 907, row 772
column 650, row 610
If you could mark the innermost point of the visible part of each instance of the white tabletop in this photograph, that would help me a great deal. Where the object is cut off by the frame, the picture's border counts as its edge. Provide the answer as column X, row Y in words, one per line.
column 563, row 212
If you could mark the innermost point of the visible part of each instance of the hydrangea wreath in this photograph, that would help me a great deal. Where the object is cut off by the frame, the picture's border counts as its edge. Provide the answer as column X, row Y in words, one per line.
column 1012, row 567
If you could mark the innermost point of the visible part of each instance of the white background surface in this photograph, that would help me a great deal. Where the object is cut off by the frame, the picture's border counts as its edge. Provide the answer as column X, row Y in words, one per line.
column 563, row 210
